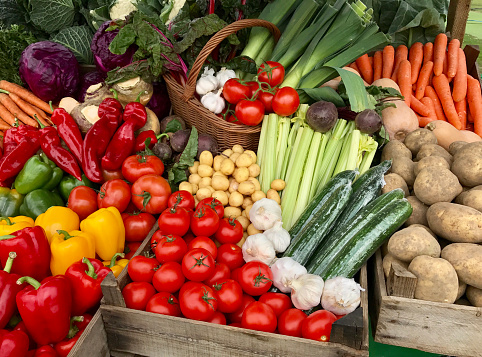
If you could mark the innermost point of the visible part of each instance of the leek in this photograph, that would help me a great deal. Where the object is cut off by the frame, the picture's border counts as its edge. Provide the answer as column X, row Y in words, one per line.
column 265, row 52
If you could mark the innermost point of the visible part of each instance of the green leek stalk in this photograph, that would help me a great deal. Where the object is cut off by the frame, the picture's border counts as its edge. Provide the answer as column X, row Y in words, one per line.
column 268, row 172
column 319, row 162
column 265, row 52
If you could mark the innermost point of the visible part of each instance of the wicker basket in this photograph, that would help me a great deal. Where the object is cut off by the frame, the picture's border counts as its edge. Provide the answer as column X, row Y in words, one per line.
column 193, row 112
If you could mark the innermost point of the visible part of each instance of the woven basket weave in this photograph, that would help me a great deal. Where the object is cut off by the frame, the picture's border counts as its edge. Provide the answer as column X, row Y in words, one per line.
column 193, row 112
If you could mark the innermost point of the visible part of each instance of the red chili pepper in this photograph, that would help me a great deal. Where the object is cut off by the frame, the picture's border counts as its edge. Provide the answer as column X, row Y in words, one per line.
column 140, row 144
column 9, row 142
column 13, row 344
column 137, row 112
column 85, row 277
column 45, row 308
column 26, row 131
column 33, row 252
column 69, row 132
column 63, row 347
column 8, row 290
column 110, row 105
column 120, row 147
column 45, row 351
column 12, row 163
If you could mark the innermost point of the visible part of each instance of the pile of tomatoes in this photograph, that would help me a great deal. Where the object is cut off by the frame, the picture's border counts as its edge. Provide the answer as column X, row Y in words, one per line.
column 252, row 100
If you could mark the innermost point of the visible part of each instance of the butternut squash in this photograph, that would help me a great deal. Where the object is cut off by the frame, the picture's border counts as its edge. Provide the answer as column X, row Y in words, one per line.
column 446, row 133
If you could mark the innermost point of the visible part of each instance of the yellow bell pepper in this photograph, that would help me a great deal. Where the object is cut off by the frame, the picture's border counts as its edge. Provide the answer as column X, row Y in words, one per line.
column 107, row 228
column 116, row 265
column 58, row 218
column 12, row 224
column 68, row 248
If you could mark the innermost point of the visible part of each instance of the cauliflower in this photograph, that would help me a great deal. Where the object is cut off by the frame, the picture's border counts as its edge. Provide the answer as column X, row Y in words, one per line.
column 176, row 7
column 121, row 8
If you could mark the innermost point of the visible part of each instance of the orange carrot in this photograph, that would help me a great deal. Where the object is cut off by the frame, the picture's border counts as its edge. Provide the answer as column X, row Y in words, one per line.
column 439, row 53
column 439, row 112
column 470, row 118
column 415, row 57
column 428, row 102
column 404, row 80
column 27, row 107
column 423, row 79
column 25, row 95
column 370, row 59
column 427, row 52
column 6, row 115
column 388, row 61
column 442, row 88
column 400, row 54
column 423, row 121
column 461, row 109
column 453, row 55
column 366, row 70
column 474, row 98
column 446, row 64
column 4, row 125
column 355, row 67
column 377, row 65
column 16, row 111
column 460, row 80
column 418, row 107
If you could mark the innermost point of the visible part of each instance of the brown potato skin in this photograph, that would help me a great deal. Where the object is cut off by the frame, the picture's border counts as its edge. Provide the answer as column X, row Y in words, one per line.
column 469, row 149
column 430, row 161
column 393, row 181
column 474, row 295
column 473, row 198
column 468, row 169
column 419, row 214
column 466, row 258
column 404, row 167
column 411, row 242
column 433, row 150
column 455, row 146
column 394, row 149
column 417, row 138
column 434, row 184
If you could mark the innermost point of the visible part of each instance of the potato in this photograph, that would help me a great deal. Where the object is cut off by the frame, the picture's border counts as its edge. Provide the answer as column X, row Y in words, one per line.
column 219, row 173
column 243, row 214
column 273, row 195
column 211, row 189
column 254, row 170
column 244, row 160
column 462, row 289
column 404, row 167
column 474, row 295
column 466, row 258
column 393, row 181
column 252, row 231
column 247, row 209
column 241, row 242
column 469, row 149
column 463, row 302
column 220, row 183
column 460, row 197
column 195, row 178
column 433, row 150
column 193, row 168
column 411, row 242
column 233, row 185
column 227, row 152
column 205, row 182
column 455, row 146
column 473, row 198
column 232, row 212
column 257, row 195
column 246, row 188
column 278, row 185
column 394, row 149
column 436, row 161
column 244, row 222
column 247, row 202
column 227, row 167
column 435, row 184
column 241, row 174
column 252, row 154
column 186, row 186
column 206, row 158
column 387, row 263
column 419, row 213
column 456, row 223
column 234, row 157
column 468, row 169
column 236, row 199
column 205, row 170
column 218, row 159
column 436, row 279
column 221, row 196
column 238, row 149
column 426, row 228
column 195, row 187
column 203, row 193
column 417, row 138
column 255, row 182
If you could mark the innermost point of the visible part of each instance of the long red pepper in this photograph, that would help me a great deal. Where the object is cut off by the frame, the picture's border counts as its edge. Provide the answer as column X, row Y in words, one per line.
column 12, row 163
column 69, row 132
column 13, row 344
column 8, row 291
column 120, row 147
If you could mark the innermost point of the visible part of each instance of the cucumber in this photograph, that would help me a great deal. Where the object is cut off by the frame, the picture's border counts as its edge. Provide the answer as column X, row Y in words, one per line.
column 361, row 247
column 336, row 241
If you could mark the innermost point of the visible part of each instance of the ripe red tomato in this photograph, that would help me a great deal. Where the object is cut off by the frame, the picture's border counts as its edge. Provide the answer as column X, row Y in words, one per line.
column 255, row 278
column 164, row 303
column 205, row 243
column 290, row 322
column 197, row 264
column 168, row 277
column 142, row 268
column 137, row 294
column 234, row 91
column 130, row 249
column 272, row 73
column 253, row 87
column 235, row 274
column 229, row 295
column 112, row 174
column 249, row 112
column 260, row 317
column 238, row 314
column 218, row 318
column 136, row 166
column 114, row 193
column 188, row 237
column 83, row 201
column 197, row 301
column 150, row 194
column 174, row 220
column 231, row 255
column 205, row 221
column 266, row 98
column 286, row 101
column 221, row 273
column 229, row 231
column 182, row 199
column 317, row 326
column 169, row 248
column 214, row 204
column 279, row 302
column 137, row 225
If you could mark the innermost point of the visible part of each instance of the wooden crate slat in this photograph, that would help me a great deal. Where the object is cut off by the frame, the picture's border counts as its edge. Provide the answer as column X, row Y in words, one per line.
column 401, row 282
column 93, row 341
column 457, row 17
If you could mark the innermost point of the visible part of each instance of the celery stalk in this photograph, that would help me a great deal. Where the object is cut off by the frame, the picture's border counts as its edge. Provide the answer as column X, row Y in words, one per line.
column 289, row 149
column 294, row 152
column 269, row 158
column 367, row 160
column 283, row 134
column 349, row 153
column 319, row 162
column 262, row 138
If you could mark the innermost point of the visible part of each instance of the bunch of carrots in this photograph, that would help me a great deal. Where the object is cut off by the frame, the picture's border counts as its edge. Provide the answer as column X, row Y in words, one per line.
column 433, row 80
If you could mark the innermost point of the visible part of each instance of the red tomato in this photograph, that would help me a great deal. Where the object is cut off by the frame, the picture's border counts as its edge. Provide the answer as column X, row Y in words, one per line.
column 260, row 317
column 197, row 301
column 272, row 73
column 234, row 91
column 229, row 295
column 238, row 314
column 169, row 248
column 168, row 277
column 114, row 193
column 188, row 237
column 174, row 220
column 229, row 231
column 317, row 326
column 197, row 264
column 83, row 201
column 290, row 322
column 221, row 273
column 231, row 255
column 235, row 274
column 231, row 118
column 130, row 249
column 205, row 221
column 142, row 268
column 182, row 199
column 255, row 278
column 214, row 204
column 253, row 87
column 137, row 225
column 279, row 302
column 138, row 294
column 266, row 98
column 136, row 166
column 164, row 303
column 112, row 174
column 249, row 112
column 286, row 101
column 205, row 243
column 218, row 318
column 150, row 193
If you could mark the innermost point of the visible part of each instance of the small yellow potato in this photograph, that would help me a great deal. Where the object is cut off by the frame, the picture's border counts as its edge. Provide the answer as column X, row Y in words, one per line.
column 205, row 171
column 221, row 196
column 247, row 202
column 254, row 170
column 211, row 189
column 227, row 167
column 195, row 178
column 252, row 231
column 206, row 158
column 273, row 195
column 203, row 193
column 220, row 183
column 186, row 186
column 205, row 182
column 241, row 174
column 247, row 209
column 257, row 195
column 234, row 157
column 244, row 160
column 243, row 214
column 236, row 199
column 219, row 173
column 217, row 162
column 243, row 221
column 193, row 168
column 233, row 185
column 194, row 188
column 256, row 183
column 241, row 242
column 252, row 154
column 278, row 185
column 238, row 148
column 196, row 201
column 246, row 188
column 232, row 212
column 227, row 152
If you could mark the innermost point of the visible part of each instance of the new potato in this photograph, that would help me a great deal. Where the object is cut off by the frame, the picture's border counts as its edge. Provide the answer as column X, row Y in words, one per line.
column 466, row 258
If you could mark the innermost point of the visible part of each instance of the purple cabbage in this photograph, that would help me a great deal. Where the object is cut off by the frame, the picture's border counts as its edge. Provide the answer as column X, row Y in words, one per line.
column 103, row 58
column 160, row 103
column 50, row 70
column 87, row 80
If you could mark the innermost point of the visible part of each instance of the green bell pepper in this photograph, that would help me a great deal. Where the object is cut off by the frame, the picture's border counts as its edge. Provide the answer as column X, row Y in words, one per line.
column 38, row 201
column 69, row 182
column 38, row 172
column 10, row 202
column 57, row 174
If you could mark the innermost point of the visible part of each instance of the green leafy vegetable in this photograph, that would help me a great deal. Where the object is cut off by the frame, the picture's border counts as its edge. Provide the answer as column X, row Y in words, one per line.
column 52, row 15
column 311, row 95
column 173, row 126
column 177, row 173
column 77, row 39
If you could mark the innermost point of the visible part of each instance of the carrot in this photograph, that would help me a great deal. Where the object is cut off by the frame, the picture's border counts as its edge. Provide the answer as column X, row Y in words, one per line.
column 423, row 79
column 427, row 52
column 16, row 111
column 27, row 107
column 355, row 67
column 25, row 95
column 388, row 61
column 439, row 53
column 400, row 54
column 461, row 109
column 428, row 102
column 446, row 65
column 377, row 65
column 460, row 80
column 423, row 121
column 6, row 115
column 4, row 125
column 442, row 88
column 404, row 81
column 419, row 107
column 415, row 57
column 470, row 118
column 453, row 55
column 366, row 70
column 474, row 98
column 370, row 59
column 439, row 112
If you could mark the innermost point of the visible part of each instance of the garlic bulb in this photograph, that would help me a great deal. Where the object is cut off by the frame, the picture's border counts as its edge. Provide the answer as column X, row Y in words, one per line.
column 258, row 247
column 306, row 291
column 207, row 83
column 341, row 295
column 224, row 75
column 285, row 270
column 278, row 236
column 264, row 214
column 213, row 102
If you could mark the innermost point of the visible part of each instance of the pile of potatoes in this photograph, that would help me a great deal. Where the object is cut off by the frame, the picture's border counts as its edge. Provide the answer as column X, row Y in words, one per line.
column 441, row 243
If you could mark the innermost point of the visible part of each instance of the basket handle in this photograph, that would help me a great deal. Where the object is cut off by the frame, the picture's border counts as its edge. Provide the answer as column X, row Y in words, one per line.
column 215, row 41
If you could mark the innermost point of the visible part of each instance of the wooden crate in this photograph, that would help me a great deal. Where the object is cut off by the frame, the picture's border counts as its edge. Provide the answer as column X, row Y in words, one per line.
column 93, row 341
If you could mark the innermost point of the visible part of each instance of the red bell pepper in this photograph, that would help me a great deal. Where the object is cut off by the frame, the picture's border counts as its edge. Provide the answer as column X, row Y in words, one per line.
column 69, row 132
column 45, row 351
column 82, row 323
column 85, row 277
column 45, row 308
column 63, row 347
column 8, row 290
column 140, row 144
column 33, row 252
column 21, row 327
column 13, row 344
column 137, row 112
